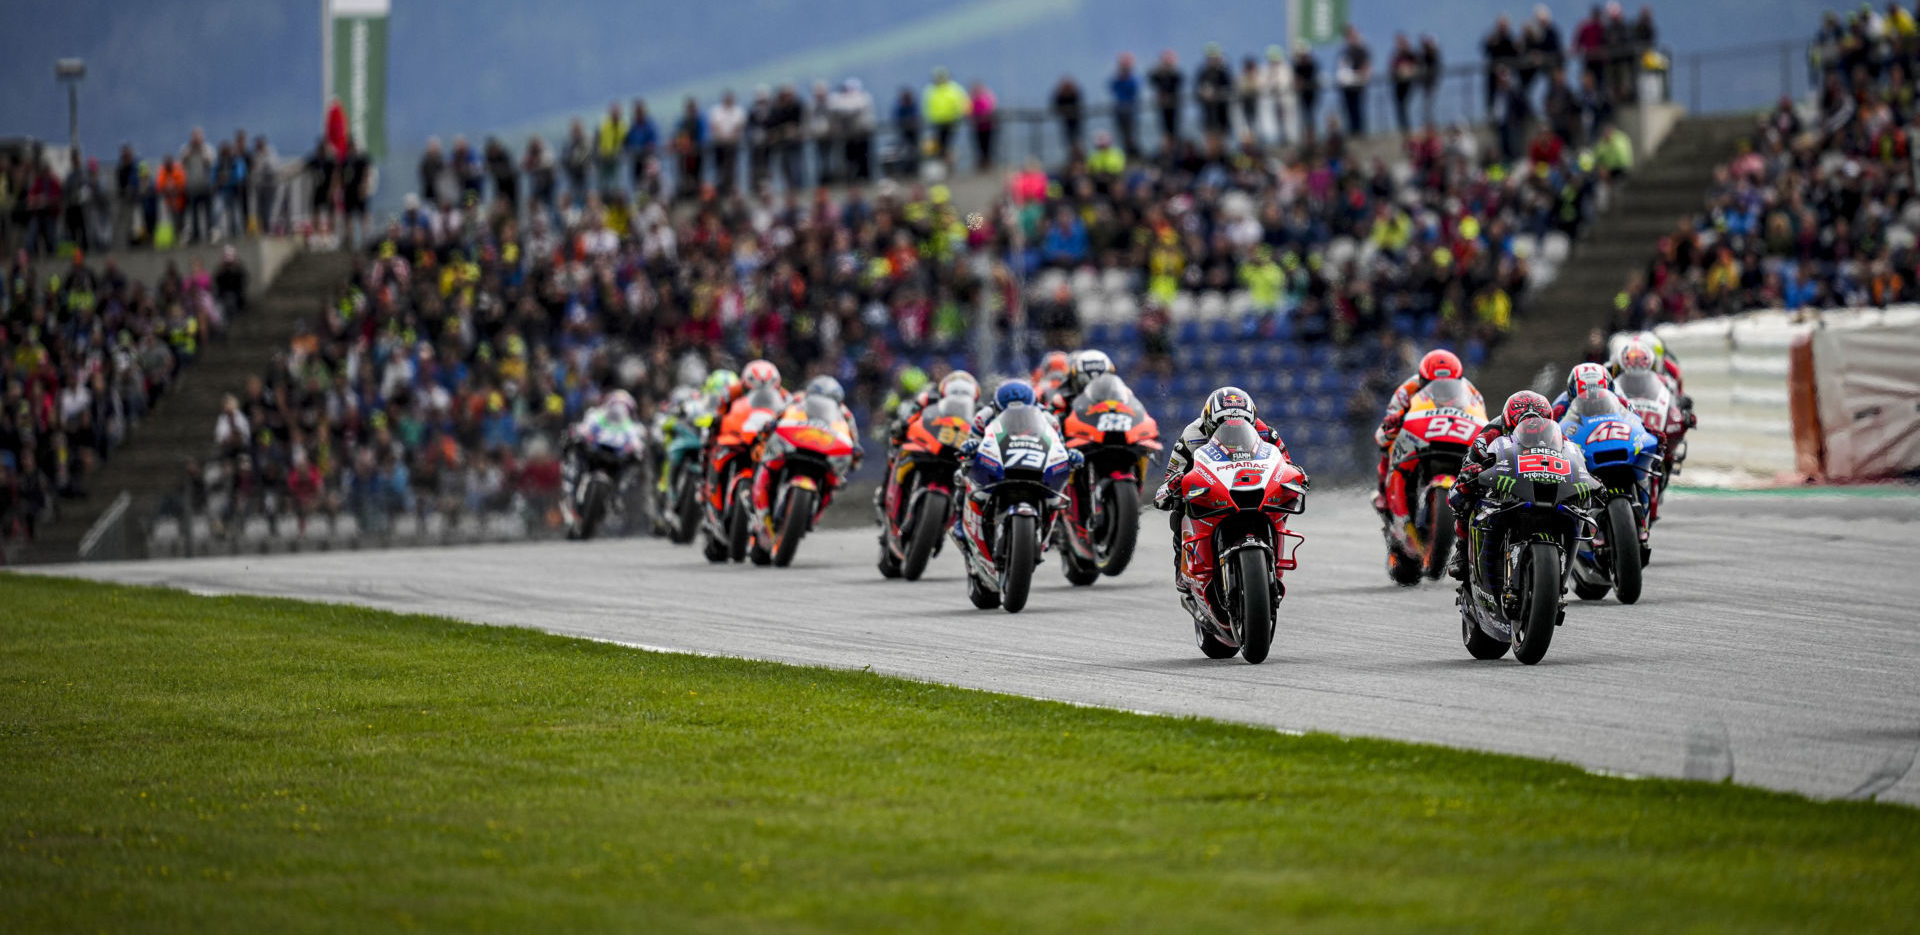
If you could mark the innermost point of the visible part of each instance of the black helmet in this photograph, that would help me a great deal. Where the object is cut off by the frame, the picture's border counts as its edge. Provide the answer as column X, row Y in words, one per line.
column 1225, row 403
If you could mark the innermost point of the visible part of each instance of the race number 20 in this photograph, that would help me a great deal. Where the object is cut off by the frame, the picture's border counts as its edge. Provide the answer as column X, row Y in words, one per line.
column 1544, row 464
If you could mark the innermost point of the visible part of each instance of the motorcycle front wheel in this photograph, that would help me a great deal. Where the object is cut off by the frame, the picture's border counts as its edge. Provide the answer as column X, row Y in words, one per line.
column 929, row 521
column 1016, row 563
column 1254, row 569
column 1540, row 607
column 594, row 507
column 737, row 535
column 793, row 526
column 686, row 507
column 1114, row 551
column 1439, row 533
column 1623, row 540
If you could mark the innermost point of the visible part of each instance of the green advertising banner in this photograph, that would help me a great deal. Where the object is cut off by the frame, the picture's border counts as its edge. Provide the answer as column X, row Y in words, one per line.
column 1319, row 21
column 357, row 68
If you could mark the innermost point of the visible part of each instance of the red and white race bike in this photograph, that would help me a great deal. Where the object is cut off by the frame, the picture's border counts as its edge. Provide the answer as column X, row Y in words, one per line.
column 1234, row 541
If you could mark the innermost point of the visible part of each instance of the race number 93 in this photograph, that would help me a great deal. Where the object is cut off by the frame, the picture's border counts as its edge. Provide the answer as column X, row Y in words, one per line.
column 1544, row 464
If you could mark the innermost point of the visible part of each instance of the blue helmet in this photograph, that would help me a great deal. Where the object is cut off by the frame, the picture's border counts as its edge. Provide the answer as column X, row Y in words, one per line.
column 1013, row 391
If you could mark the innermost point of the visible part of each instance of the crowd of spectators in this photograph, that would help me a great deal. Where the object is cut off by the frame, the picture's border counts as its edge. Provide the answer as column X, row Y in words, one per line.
column 206, row 192
column 1817, row 207
column 84, row 354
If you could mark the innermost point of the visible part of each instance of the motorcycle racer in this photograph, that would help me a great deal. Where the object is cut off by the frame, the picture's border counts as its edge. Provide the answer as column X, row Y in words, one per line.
column 1084, row 367
column 609, row 423
column 1227, row 402
column 824, row 387
column 957, row 382
column 1437, row 364
column 1585, row 377
column 1521, row 405
column 1052, row 373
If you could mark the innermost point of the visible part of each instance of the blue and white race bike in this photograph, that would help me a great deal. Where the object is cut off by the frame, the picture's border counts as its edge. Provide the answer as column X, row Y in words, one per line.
column 1624, row 459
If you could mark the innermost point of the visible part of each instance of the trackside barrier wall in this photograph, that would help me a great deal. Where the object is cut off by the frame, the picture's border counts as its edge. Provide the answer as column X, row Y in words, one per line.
column 1845, row 407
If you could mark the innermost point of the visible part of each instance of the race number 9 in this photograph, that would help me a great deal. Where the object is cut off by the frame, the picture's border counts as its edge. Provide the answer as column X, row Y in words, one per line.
column 1544, row 464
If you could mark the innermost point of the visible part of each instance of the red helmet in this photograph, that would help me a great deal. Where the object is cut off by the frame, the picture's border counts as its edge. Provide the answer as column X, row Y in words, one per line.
column 1441, row 365
column 1523, row 404
column 1053, row 367
column 760, row 373
column 1588, row 376
column 1636, row 356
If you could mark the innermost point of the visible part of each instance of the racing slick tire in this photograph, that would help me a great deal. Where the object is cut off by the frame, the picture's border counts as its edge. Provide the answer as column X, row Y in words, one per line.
column 1539, row 606
column 1016, row 565
column 1623, row 540
column 793, row 526
column 1254, row 569
column 929, row 521
column 1115, row 552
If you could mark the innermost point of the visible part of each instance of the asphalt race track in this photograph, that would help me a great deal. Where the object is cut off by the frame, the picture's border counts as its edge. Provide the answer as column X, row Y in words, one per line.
column 1777, row 643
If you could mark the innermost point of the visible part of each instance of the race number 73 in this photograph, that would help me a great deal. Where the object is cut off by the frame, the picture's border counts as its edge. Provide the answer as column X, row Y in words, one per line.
column 1544, row 464
column 1034, row 458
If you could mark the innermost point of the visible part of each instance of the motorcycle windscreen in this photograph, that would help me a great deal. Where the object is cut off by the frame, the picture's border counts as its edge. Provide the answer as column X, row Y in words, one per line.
column 1236, row 440
column 765, row 397
column 1452, row 394
column 1105, row 389
column 1595, row 402
column 1022, row 419
column 1640, row 384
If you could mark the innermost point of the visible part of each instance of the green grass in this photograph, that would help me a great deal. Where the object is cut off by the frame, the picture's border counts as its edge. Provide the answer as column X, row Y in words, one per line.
column 175, row 763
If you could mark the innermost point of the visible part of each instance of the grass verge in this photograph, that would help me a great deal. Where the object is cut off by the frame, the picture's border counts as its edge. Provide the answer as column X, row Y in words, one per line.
column 177, row 763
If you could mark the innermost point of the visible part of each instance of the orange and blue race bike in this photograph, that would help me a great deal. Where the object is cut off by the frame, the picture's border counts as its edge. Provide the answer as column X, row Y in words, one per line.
column 916, row 505
column 1439, row 426
column 1234, row 540
column 729, row 472
column 1101, row 522
column 804, row 456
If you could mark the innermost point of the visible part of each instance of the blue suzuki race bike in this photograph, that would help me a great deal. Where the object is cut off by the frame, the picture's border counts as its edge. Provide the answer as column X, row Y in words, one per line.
column 1624, row 459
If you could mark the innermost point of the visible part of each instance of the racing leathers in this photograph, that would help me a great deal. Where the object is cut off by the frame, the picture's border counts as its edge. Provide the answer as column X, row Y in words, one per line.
column 608, row 428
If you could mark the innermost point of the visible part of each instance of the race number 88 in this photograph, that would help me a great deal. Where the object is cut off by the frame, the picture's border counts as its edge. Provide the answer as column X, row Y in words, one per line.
column 1544, row 464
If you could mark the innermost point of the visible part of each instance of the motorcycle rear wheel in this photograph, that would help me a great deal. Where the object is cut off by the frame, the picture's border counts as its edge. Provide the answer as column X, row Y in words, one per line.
column 1540, row 607
column 929, row 521
column 889, row 563
column 1210, row 647
column 1255, row 574
column 1115, row 551
column 1589, row 592
column 1403, row 569
column 793, row 527
column 1016, row 563
column 1479, row 644
column 981, row 596
column 1623, row 540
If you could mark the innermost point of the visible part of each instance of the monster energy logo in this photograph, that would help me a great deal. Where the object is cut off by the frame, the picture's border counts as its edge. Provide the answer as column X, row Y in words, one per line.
column 1504, row 484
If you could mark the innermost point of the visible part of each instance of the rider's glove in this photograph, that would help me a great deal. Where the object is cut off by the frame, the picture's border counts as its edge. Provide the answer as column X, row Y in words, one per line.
column 1692, row 420
column 1075, row 458
column 968, row 447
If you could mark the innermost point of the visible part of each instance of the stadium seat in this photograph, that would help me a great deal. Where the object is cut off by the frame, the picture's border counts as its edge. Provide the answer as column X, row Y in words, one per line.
column 1085, row 283
column 1555, row 247
column 1100, row 334
column 1117, row 282
column 1188, row 332
column 1222, row 331
column 1183, row 307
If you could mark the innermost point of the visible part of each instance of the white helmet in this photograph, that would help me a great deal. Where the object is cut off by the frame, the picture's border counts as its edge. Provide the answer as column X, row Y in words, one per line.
column 620, row 402
column 1085, row 366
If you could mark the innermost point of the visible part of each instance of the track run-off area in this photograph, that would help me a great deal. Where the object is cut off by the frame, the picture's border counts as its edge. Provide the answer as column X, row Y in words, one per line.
column 1777, row 643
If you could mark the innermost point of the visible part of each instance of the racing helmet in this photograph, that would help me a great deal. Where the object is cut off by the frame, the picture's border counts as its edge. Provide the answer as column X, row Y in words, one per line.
column 761, row 374
column 1440, row 364
column 681, row 396
column 719, row 382
column 1585, row 376
column 1523, row 404
column 1654, row 344
column 1227, row 402
column 1013, row 391
column 912, row 380
column 1636, row 356
column 1087, row 365
column 1053, row 369
column 618, row 403
column 828, row 387
column 960, row 382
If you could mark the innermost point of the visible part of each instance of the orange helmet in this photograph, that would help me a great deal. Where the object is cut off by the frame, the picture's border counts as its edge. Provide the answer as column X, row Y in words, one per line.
column 761, row 373
column 1440, row 364
column 1053, row 368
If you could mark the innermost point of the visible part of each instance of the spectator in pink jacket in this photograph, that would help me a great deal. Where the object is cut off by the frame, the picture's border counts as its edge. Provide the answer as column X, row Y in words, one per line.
column 986, row 119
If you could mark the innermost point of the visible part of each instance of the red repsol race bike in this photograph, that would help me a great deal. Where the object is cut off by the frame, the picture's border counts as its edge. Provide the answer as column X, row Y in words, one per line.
column 916, row 505
column 1112, row 430
column 1234, row 540
column 1439, row 426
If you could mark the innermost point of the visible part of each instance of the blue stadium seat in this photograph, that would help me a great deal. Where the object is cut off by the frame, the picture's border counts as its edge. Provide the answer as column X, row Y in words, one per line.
column 1129, row 333
column 1188, row 333
column 1321, row 355
column 1220, row 331
column 1100, row 335
column 1146, row 384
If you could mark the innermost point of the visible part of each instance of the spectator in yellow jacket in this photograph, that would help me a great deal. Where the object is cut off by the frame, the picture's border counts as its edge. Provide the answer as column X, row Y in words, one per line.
column 946, row 104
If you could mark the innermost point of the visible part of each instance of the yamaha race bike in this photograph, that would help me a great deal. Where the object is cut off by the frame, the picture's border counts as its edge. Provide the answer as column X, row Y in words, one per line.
column 805, row 457
column 605, row 454
column 1013, row 496
column 916, row 501
column 1441, row 421
column 1116, row 436
column 1623, row 458
column 1234, row 540
column 1522, row 535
